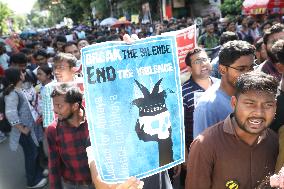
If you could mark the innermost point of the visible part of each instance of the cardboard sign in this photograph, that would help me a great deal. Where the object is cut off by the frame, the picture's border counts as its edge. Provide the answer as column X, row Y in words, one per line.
column 134, row 107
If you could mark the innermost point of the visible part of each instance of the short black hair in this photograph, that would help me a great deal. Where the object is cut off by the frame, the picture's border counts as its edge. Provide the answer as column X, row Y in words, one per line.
column 47, row 70
column 256, row 81
column 113, row 37
column 40, row 52
column 276, row 28
column 61, row 38
column 69, row 58
column 68, row 44
column 19, row 58
column 26, row 51
column 268, row 22
column 278, row 50
column 228, row 36
column 258, row 44
column 72, row 93
column 233, row 50
column 191, row 53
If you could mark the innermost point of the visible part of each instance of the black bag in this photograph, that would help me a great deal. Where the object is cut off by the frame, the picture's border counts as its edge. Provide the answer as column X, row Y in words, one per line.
column 4, row 124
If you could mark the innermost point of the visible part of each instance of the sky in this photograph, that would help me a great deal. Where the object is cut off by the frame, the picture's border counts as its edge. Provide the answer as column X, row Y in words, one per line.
column 20, row 6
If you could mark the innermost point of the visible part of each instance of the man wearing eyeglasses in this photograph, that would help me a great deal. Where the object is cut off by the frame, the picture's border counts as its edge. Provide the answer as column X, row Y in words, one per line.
column 199, row 65
column 235, row 58
column 64, row 70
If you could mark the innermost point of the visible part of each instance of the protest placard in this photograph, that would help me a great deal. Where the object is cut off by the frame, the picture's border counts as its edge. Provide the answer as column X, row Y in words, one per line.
column 134, row 107
column 186, row 41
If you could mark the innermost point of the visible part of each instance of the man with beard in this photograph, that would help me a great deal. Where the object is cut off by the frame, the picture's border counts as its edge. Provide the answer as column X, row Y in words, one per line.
column 240, row 151
column 235, row 58
column 272, row 35
column 68, row 138
column 199, row 65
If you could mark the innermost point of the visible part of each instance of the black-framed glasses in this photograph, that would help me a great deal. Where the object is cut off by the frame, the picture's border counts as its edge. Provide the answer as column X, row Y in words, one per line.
column 242, row 68
column 201, row 60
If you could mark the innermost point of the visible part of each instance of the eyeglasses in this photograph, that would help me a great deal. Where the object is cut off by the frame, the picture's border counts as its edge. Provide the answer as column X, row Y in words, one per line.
column 60, row 67
column 201, row 60
column 242, row 68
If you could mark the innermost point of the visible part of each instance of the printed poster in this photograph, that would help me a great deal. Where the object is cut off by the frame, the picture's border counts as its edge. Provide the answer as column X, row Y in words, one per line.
column 134, row 107
column 186, row 41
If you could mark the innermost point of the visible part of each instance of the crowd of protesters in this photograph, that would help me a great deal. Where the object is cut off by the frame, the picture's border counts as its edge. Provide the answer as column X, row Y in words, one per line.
column 235, row 92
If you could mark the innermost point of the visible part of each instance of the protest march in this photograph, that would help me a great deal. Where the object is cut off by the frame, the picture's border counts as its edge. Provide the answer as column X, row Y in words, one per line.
column 175, row 103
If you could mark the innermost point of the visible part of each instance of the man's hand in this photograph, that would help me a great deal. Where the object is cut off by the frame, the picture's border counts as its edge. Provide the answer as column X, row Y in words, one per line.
column 128, row 39
column 277, row 180
column 131, row 183
column 177, row 170
column 39, row 120
column 25, row 130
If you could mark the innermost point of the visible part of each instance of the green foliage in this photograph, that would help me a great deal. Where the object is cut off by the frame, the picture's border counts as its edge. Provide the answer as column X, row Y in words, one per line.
column 232, row 7
column 19, row 22
column 5, row 13
column 102, row 8
column 78, row 10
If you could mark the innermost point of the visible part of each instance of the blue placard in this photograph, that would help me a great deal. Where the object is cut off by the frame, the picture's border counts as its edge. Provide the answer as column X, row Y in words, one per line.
column 134, row 107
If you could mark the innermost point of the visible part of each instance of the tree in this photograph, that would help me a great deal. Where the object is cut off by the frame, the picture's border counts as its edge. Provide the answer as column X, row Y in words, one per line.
column 79, row 11
column 102, row 7
column 5, row 14
column 232, row 7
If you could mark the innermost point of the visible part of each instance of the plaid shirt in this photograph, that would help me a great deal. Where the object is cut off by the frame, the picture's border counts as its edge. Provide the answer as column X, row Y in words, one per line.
column 67, row 154
column 47, row 104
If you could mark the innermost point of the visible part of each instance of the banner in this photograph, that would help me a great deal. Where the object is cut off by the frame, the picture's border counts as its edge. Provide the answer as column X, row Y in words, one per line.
column 186, row 41
column 146, row 13
column 134, row 107
column 135, row 18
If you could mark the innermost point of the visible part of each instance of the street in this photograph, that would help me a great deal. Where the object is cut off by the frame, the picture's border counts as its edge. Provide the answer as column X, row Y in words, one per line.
column 12, row 168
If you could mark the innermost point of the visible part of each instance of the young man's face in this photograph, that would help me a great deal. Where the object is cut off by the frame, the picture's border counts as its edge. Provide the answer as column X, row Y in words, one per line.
column 40, row 60
column 63, row 72
column 254, row 111
column 231, row 73
column 22, row 66
column 82, row 43
column 200, row 66
column 41, row 76
column 271, row 40
column 210, row 28
column 63, row 109
column 73, row 49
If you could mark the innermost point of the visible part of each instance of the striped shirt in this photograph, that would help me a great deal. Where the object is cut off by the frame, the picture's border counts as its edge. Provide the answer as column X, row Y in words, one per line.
column 191, row 92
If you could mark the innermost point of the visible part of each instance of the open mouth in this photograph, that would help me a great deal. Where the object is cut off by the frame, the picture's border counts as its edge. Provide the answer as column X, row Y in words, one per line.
column 204, row 70
column 256, row 121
